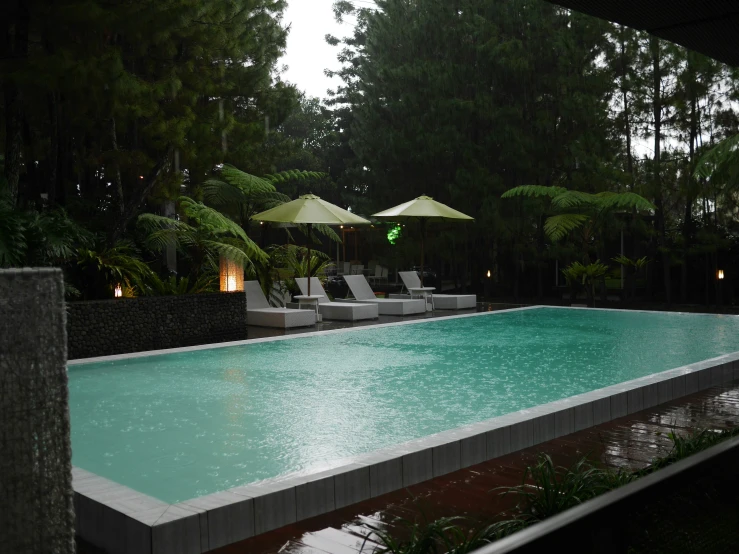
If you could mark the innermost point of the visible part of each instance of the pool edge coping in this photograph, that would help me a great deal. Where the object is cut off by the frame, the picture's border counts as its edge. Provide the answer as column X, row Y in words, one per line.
column 121, row 519
column 246, row 342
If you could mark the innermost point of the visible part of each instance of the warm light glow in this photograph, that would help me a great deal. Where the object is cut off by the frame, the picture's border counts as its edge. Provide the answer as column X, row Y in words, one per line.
column 118, row 291
column 141, row 176
column 231, row 283
column 232, row 275
column 341, row 226
column 488, row 274
column 720, row 274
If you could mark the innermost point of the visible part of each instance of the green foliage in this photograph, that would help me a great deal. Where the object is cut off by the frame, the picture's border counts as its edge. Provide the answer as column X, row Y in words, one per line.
column 204, row 237
column 33, row 238
column 125, row 101
column 547, row 490
column 636, row 264
column 290, row 261
column 691, row 443
column 559, row 226
column 723, row 157
column 584, row 273
column 589, row 208
column 443, row 536
column 119, row 264
column 207, row 282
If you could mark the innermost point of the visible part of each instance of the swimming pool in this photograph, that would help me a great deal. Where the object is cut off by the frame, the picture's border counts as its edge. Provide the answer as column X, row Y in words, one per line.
column 183, row 425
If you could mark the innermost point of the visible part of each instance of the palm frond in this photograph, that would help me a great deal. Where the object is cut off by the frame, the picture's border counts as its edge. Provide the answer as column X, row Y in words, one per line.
column 326, row 231
column 557, row 227
column 211, row 218
column 250, row 184
column 248, row 246
column 623, row 200
column 233, row 252
column 534, row 191
column 153, row 222
column 573, row 199
column 725, row 153
column 222, row 193
column 118, row 264
column 294, row 175
column 269, row 200
column 162, row 232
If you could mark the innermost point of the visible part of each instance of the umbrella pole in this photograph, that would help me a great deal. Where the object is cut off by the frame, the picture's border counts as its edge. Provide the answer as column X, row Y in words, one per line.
column 423, row 245
column 309, row 226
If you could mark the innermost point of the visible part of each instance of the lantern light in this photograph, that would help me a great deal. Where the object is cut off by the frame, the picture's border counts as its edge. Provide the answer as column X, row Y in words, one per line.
column 488, row 274
column 720, row 274
column 232, row 275
column 118, row 291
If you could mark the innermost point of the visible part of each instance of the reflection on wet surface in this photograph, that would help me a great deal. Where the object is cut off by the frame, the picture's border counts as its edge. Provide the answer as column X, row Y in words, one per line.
column 630, row 442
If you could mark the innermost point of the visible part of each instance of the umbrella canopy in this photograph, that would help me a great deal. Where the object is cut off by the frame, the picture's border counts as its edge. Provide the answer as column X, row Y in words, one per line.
column 307, row 210
column 424, row 209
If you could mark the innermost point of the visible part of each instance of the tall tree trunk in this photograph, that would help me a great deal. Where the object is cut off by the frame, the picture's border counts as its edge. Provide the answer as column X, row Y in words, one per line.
column 53, row 156
column 627, row 111
column 31, row 193
column 659, row 200
column 14, row 46
column 688, row 215
column 540, row 260
column 137, row 200
column 117, row 182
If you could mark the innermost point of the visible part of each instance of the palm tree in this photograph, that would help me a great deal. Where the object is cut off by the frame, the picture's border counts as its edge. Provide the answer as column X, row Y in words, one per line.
column 204, row 235
column 572, row 210
column 240, row 195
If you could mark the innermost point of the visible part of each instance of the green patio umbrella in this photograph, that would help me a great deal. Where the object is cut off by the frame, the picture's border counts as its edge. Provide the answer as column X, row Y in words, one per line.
column 424, row 209
column 309, row 209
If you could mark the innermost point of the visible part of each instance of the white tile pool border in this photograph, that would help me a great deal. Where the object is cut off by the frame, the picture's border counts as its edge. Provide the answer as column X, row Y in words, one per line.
column 122, row 520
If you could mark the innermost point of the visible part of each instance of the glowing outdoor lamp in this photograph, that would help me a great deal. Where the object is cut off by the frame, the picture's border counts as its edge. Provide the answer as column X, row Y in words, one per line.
column 488, row 274
column 118, row 293
column 720, row 274
column 232, row 275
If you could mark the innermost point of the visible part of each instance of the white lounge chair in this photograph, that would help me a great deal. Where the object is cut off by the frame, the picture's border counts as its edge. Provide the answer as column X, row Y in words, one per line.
column 261, row 314
column 441, row 301
column 344, row 311
column 363, row 293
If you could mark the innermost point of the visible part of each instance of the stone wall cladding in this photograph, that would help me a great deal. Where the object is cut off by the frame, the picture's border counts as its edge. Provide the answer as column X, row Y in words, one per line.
column 125, row 325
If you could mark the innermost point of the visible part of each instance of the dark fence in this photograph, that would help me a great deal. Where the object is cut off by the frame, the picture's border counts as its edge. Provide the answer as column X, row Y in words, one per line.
column 690, row 506
column 124, row 325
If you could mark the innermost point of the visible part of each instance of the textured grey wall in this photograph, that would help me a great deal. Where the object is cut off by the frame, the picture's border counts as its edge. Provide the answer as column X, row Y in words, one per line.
column 123, row 325
column 37, row 513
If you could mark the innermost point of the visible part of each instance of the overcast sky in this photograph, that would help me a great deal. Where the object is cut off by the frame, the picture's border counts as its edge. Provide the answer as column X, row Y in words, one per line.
column 308, row 55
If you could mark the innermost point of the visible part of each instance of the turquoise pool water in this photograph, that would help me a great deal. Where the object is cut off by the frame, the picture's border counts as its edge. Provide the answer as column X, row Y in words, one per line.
column 177, row 426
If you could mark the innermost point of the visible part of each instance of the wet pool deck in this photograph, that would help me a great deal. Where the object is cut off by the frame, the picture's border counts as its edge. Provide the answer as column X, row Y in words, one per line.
column 629, row 442
column 326, row 325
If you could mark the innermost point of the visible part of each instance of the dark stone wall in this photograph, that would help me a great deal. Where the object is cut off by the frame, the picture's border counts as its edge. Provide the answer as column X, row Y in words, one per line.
column 123, row 325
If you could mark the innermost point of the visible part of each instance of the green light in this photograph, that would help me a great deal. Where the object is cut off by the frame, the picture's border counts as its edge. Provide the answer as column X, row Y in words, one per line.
column 393, row 234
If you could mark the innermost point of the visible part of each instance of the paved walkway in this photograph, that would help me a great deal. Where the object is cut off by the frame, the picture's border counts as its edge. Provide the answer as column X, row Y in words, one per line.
column 629, row 442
